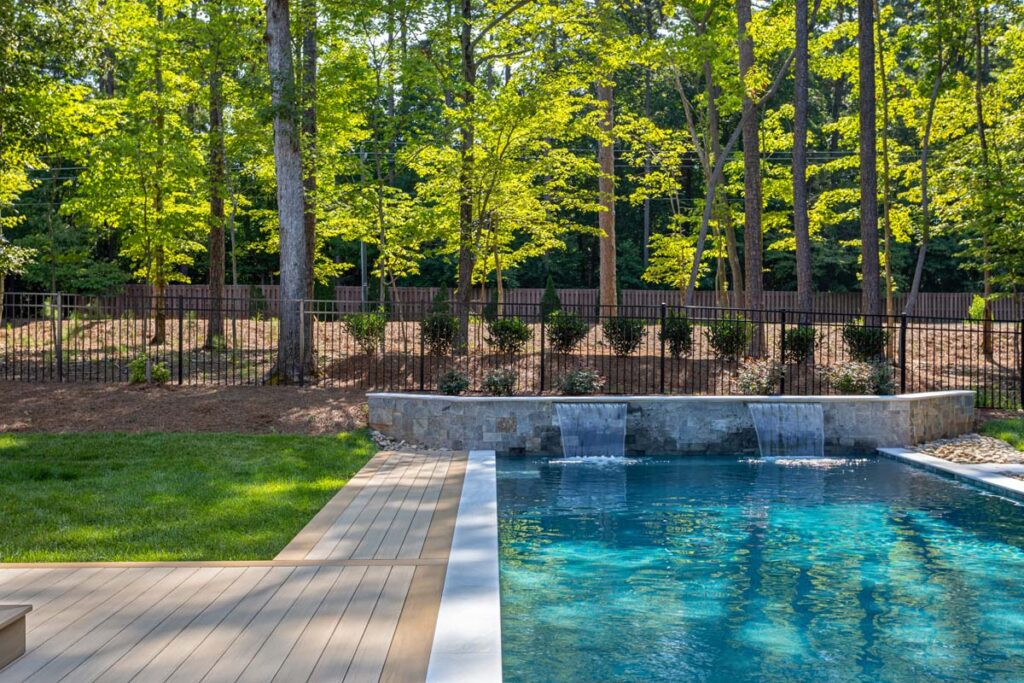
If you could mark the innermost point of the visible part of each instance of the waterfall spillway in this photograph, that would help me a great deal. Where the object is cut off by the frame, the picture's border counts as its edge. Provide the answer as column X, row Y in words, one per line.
column 592, row 429
column 789, row 429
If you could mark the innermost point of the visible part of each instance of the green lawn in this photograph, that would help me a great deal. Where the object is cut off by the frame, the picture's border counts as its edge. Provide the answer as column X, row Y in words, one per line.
column 1010, row 430
column 116, row 497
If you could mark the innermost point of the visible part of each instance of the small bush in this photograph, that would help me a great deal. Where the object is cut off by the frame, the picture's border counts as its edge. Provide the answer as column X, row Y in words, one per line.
column 624, row 334
column 976, row 311
column 549, row 301
column 759, row 377
column 439, row 331
column 500, row 382
column 368, row 330
column 861, row 378
column 452, row 383
column 508, row 335
column 158, row 372
column 491, row 307
column 678, row 334
column 864, row 342
column 441, row 302
column 729, row 337
column 581, row 382
column 799, row 343
column 565, row 331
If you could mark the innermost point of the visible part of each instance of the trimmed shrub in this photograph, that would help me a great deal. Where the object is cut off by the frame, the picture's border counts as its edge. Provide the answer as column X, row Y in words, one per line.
column 500, row 382
column 439, row 331
column 759, row 376
column 158, row 372
column 452, row 383
column 861, row 378
column 799, row 343
column 865, row 342
column 442, row 301
column 729, row 337
column 623, row 334
column 508, row 335
column 581, row 382
column 367, row 329
column 678, row 334
column 976, row 311
column 565, row 330
column 549, row 301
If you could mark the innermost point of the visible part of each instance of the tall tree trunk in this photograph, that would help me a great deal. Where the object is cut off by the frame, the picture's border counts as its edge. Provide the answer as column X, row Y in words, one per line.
column 979, row 109
column 870, row 275
column 467, row 170
column 609, row 297
column 160, row 275
column 217, row 175
column 752, row 233
column 801, row 227
column 890, row 307
column 295, row 264
column 309, row 133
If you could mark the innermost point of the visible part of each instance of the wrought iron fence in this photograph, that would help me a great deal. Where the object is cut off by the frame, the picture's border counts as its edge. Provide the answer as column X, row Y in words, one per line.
column 636, row 349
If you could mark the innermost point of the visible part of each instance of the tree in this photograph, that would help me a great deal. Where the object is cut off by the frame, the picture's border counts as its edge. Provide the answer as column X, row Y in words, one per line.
column 752, row 234
column 871, row 286
column 801, row 228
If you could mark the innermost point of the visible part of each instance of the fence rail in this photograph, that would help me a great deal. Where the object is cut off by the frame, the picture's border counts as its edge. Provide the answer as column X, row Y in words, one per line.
column 197, row 340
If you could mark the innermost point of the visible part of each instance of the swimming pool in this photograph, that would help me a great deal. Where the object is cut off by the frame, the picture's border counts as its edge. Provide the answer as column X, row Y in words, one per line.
column 732, row 569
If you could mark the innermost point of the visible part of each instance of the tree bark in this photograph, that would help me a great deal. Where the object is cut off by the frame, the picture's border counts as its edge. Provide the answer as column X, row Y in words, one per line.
column 801, row 227
column 295, row 264
column 217, row 175
column 979, row 108
column 160, row 274
column 467, row 170
column 752, row 233
column 890, row 307
column 606, row 197
column 870, row 272
column 309, row 134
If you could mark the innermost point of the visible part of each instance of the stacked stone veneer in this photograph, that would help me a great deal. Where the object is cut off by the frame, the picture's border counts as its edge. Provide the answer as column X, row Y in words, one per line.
column 666, row 424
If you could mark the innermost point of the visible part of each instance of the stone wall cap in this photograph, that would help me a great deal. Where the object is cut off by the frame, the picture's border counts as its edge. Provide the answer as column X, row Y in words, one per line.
column 656, row 398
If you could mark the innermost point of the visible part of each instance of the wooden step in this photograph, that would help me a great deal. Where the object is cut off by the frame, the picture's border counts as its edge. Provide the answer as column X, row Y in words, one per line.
column 12, row 632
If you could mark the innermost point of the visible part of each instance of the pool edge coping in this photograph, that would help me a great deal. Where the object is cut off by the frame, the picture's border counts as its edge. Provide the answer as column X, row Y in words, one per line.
column 467, row 636
column 984, row 475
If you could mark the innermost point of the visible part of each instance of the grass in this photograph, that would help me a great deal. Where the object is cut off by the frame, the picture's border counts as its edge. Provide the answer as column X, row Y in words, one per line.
column 1010, row 430
column 121, row 497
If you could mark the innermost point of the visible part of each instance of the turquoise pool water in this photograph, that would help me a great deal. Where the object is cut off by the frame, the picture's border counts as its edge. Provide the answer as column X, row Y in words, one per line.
column 726, row 569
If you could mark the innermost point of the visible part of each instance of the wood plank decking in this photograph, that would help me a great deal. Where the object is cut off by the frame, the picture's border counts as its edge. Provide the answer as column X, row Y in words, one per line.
column 354, row 597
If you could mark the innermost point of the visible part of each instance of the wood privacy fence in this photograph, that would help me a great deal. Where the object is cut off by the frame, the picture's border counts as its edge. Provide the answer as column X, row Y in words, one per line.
column 264, row 298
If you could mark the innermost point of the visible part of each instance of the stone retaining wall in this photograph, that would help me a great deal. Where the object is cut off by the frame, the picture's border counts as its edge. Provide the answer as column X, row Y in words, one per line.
column 666, row 424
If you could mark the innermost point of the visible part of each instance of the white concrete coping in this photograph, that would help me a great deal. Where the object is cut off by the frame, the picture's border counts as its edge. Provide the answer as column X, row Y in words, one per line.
column 467, row 639
column 988, row 476
column 674, row 398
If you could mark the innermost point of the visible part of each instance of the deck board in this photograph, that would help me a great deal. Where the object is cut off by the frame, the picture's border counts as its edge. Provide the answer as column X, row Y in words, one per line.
column 353, row 597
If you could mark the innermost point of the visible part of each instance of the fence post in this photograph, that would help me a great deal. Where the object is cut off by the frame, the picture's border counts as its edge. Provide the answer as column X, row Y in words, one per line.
column 302, row 342
column 181, row 339
column 58, row 341
column 423, row 317
column 782, row 352
column 903, row 353
column 541, row 309
column 661, row 335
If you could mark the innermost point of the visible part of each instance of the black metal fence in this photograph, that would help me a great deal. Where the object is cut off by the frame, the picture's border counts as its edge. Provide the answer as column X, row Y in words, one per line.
column 61, row 338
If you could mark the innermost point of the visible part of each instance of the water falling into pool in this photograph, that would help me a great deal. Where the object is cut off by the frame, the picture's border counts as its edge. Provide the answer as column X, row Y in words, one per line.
column 590, row 429
column 789, row 429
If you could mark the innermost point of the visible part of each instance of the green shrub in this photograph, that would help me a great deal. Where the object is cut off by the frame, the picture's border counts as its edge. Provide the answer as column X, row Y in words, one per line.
column 439, row 331
column 158, row 372
column 624, row 334
column 581, row 382
column 442, row 301
column 491, row 307
column 452, row 383
column 864, row 342
column 678, row 334
column 799, row 343
column 976, row 311
column 367, row 329
column 729, row 337
column 861, row 378
column 500, row 382
column 508, row 335
column 549, row 301
column 565, row 330
column 759, row 377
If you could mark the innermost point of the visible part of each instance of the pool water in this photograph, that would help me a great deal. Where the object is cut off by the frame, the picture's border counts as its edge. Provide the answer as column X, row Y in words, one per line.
column 732, row 569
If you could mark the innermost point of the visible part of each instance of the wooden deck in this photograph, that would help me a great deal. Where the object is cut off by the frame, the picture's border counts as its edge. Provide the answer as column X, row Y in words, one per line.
column 354, row 597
